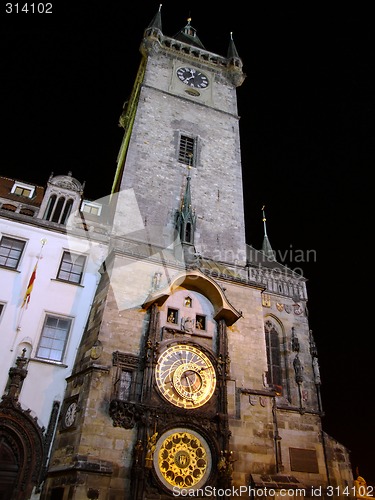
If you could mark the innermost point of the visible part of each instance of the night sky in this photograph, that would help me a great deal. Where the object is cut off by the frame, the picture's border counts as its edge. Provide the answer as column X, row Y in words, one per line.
column 307, row 132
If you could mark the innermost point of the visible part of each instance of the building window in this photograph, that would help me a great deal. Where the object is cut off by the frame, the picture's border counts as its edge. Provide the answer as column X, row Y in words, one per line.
column 71, row 267
column 2, row 306
column 125, row 375
column 187, row 151
column 123, row 385
column 89, row 207
column 23, row 190
column 58, row 210
column 188, row 301
column 172, row 315
column 10, row 252
column 200, row 322
column 274, row 378
column 54, row 338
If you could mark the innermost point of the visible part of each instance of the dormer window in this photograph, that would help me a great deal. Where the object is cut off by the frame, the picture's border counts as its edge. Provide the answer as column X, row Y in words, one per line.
column 90, row 207
column 21, row 189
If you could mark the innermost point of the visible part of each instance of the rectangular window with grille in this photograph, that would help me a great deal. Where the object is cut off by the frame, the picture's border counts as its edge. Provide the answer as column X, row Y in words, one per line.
column 71, row 267
column 10, row 252
column 186, row 153
column 54, row 338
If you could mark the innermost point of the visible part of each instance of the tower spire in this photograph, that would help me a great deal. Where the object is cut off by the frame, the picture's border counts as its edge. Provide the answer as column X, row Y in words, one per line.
column 266, row 247
column 156, row 21
column 235, row 63
column 232, row 51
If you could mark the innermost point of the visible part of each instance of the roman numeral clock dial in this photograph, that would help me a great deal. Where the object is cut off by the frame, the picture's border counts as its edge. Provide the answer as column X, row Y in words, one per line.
column 192, row 77
column 185, row 376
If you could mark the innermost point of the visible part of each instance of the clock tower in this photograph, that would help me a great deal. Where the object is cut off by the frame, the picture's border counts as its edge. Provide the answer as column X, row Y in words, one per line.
column 197, row 369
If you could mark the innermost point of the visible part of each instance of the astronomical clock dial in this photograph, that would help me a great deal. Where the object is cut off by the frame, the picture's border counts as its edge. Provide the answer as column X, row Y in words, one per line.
column 182, row 459
column 192, row 77
column 185, row 376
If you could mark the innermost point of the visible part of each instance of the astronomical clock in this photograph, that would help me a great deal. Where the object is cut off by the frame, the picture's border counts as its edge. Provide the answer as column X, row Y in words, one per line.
column 182, row 426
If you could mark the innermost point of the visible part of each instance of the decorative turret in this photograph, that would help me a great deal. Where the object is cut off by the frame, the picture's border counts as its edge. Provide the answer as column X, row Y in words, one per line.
column 185, row 223
column 155, row 26
column 235, row 64
column 188, row 34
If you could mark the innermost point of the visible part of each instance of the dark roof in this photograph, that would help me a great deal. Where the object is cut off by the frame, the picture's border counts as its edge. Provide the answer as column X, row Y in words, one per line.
column 6, row 185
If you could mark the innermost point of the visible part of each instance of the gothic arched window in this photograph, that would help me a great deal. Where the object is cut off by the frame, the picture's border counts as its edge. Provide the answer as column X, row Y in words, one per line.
column 274, row 377
column 188, row 232
column 50, row 207
column 58, row 210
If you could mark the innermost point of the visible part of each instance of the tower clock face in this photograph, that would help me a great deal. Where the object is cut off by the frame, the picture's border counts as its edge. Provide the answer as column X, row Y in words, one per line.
column 192, row 77
column 185, row 376
column 182, row 459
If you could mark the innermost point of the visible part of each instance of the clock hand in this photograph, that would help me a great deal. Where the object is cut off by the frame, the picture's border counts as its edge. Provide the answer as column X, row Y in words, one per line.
column 187, row 379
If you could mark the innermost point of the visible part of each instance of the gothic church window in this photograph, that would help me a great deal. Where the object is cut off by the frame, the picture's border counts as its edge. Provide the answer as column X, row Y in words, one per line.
column 124, row 384
column 188, row 233
column 274, row 377
column 187, row 151
column 125, row 375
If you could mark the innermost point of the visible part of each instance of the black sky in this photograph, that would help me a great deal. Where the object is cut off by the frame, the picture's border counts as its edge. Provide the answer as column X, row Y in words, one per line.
column 307, row 131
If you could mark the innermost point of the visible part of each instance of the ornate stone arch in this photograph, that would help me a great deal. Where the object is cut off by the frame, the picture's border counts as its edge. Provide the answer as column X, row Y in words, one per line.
column 196, row 280
column 21, row 442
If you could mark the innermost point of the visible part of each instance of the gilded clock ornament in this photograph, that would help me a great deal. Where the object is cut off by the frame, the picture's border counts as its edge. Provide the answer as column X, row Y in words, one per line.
column 182, row 459
column 70, row 414
column 185, row 376
column 192, row 77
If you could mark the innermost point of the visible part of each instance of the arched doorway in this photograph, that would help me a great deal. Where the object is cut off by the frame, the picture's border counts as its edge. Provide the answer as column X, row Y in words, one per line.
column 8, row 469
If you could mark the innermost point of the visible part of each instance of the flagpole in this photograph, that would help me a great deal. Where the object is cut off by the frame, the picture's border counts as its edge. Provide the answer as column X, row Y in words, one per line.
column 26, row 297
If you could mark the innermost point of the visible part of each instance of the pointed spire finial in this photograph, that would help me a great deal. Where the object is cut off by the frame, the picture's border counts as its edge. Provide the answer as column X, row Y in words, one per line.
column 264, row 220
column 266, row 247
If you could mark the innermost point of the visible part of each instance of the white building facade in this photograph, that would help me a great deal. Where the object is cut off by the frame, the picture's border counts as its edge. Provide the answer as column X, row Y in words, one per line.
column 47, row 284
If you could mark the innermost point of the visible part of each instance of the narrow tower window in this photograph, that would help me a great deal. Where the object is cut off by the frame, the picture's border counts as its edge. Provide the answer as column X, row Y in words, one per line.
column 186, row 152
column 273, row 355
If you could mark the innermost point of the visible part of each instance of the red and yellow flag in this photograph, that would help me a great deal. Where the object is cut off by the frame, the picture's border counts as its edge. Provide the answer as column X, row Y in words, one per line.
column 29, row 289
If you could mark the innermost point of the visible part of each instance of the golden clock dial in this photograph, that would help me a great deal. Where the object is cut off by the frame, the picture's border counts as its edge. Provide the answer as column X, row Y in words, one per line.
column 182, row 459
column 185, row 376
